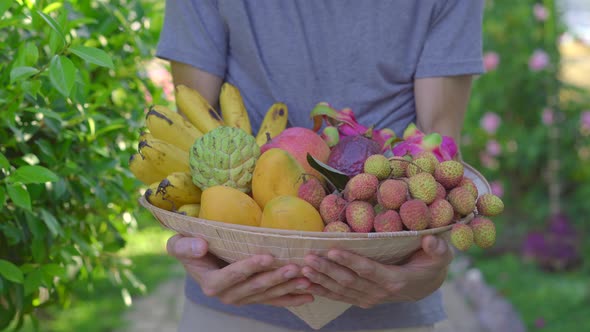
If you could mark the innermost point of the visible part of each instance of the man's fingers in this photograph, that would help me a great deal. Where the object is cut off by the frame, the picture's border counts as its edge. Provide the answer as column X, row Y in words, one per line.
column 219, row 280
column 261, row 283
column 183, row 247
column 319, row 290
column 329, row 283
column 290, row 300
column 437, row 249
column 364, row 267
column 288, row 287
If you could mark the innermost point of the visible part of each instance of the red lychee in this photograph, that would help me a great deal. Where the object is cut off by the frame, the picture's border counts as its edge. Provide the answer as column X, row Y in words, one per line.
column 332, row 208
column 415, row 214
column 337, row 226
column 361, row 187
column 441, row 212
column 449, row 173
column 360, row 216
column 388, row 221
column 392, row 193
column 461, row 200
column 312, row 191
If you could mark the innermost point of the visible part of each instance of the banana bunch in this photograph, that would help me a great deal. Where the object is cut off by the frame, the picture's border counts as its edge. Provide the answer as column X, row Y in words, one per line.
column 162, row 158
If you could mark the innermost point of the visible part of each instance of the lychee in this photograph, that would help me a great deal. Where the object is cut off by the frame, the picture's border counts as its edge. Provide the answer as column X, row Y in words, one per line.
column 489, row 205
column 468, row 184
column 441, row 192
column 422, row 186
column 415, row 214
column 392, row 193
column 449, row 173
column 429, row 155
column 312, row 191
column 360, row 216
column 332, row 208
column 361, row 187
column 378, row 165
column 484, row 232
column 337, row 226
column 388, row 221
column 420, row 164
column 461, row 200
column 461, row 236
column 399, row 166
column 441, row 212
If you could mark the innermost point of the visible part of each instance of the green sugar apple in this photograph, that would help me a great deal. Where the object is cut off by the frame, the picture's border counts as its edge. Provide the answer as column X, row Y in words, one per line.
column 224, row 156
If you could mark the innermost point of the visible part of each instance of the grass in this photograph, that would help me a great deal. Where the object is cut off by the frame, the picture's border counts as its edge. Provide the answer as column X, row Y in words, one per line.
column 548, row 302
column 103, row 308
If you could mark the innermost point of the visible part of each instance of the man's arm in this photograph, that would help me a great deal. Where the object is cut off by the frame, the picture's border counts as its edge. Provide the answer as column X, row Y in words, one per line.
column 207, row 84
column 441, row 103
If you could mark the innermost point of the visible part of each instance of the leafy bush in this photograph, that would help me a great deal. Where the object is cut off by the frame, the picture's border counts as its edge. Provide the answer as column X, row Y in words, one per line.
column 525, row 128
column 72, row 103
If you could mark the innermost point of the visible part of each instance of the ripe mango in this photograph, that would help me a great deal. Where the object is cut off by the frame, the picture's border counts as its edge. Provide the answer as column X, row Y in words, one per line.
column 276, row 173
column 227, row 204
column 292, row 213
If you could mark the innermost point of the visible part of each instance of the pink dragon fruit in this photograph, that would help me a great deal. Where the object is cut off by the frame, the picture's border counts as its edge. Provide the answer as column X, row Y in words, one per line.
column 415, row 141
column 412, row 142
column 347, row 125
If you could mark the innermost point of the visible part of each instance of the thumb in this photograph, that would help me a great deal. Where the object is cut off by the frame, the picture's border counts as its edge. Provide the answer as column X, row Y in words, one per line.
column 184, row 247
column 437, row 248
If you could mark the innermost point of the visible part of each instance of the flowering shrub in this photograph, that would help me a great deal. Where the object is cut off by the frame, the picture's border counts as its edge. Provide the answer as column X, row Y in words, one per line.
column 520, row 130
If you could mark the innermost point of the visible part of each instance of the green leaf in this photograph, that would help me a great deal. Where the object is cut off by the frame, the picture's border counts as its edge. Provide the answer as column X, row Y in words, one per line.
column 20, row 73
column 62, row 74
column 19, row 195
column 33, row 281
column 53, row 24
column 52, row 6
column 334, row 176
column 11, row 272
column 31, row 54
column 2, row 196
column 32, row 174
column 51, row 222
column 4, row 164
column 4, row 5
column 93, row 55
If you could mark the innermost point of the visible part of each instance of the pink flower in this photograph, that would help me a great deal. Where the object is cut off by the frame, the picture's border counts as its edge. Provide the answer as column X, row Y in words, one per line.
column 547, row 116
column 539, row 60
column 497, row 188
column 585, row 120
column 491, row 61
column 493, row 148
column 490, row 122
column 541, row 13
column 488, row 161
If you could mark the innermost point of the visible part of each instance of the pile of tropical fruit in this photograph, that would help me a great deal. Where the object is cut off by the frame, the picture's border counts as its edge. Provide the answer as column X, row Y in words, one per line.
column 338, row 176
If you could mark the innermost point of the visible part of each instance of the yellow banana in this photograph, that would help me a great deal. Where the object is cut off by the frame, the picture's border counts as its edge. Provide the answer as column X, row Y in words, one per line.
column 143, row 170
column 191, row 210
column 156, row 198
column 169, row 126
column 180, row 189
column 233, row 109
column 145, row 135
column 274, row 122
column 164, row 156
column 196, row 108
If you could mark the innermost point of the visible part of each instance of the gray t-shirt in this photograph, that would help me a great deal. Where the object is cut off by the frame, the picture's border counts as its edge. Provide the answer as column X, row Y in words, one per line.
column 359, row 54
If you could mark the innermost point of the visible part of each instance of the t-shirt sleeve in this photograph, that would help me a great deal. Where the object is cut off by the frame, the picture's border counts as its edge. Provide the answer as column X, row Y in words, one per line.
column 453, row 45
column 194, row 33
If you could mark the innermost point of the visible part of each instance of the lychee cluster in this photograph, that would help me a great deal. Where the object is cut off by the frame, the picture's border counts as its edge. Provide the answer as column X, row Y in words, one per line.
column 408, row 193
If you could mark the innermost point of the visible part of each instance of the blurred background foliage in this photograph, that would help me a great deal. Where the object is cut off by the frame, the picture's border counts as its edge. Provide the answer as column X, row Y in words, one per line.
column 77, row 76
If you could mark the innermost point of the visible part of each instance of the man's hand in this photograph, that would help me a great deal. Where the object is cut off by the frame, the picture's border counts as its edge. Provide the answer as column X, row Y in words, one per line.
column 347, row 277
column 246, row 281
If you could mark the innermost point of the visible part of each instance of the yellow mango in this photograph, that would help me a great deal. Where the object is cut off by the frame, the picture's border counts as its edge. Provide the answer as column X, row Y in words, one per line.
column 227, row 204
column 276, row 173
column 292, row 213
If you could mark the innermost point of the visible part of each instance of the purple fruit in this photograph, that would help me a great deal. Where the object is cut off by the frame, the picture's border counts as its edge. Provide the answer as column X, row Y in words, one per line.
column 349, row 155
